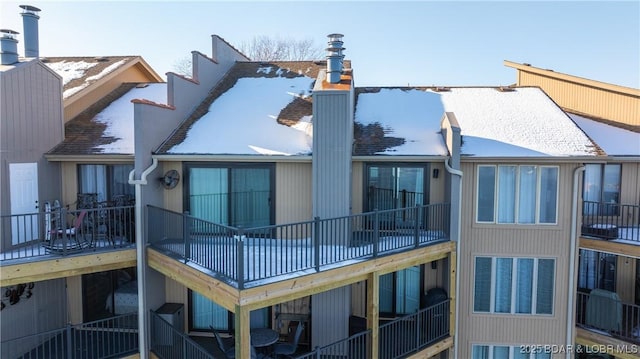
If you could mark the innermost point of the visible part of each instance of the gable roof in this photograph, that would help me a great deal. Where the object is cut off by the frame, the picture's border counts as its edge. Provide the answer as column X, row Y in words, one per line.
column 107, row 126
column 613, row 140
column 520, row 122
column 79, row 73
column 257, row 108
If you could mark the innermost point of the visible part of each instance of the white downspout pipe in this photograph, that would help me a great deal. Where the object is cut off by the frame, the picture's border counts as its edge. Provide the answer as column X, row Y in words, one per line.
column 572, row 257
column 458, row 173
column 140, row 263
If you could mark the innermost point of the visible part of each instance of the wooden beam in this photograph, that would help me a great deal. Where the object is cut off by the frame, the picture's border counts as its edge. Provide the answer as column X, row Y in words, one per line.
column 243, row 337
column 599, row 343
column 373, row 312
column 434, row 349
column 62, row 267
column 303, row 286
column 600, row 245
column 195, row 279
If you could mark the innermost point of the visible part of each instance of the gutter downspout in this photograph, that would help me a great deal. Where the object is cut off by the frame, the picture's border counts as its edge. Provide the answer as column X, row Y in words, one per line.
column 572, row 257
column 140, row 263
column 458, row 173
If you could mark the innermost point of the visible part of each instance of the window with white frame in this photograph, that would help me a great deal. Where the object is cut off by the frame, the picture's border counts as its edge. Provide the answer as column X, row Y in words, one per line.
column 517, row 194
column 510, row 352
column 514, row 285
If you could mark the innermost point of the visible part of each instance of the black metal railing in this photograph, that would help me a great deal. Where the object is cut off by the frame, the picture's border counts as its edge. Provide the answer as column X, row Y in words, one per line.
column 107, row 338
column 65, row 231
column 168, row 342
column 412, row 333
column 610, row 315
column 354, row 347
column 611, row 220
column 246, row 256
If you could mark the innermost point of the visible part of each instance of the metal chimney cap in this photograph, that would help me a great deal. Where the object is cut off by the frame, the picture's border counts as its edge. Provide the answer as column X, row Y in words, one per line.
column 29, row 8
column 9, row 32
column 335, row 35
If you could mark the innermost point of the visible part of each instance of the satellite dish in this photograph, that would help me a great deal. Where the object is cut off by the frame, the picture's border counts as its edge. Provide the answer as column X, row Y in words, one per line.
column 170, row 179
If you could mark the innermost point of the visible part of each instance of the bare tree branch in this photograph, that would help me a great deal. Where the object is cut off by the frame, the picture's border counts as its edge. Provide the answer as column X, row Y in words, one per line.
column 182, row 66
column 265, row 48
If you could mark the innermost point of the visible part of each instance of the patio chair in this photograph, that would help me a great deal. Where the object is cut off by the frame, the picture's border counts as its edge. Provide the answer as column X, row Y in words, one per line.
column 289, row 348
column 68, row 239
column 229, row 350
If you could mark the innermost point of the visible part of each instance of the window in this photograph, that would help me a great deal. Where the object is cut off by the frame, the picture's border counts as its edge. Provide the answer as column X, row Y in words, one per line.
column 602, row 189
column 525, row 194
column 597, row 270
column 391, row 187
column 400, row 292
column 107, row 181
column 206, row 312
column 510, row 352
column 514, row 285
column 238, row 195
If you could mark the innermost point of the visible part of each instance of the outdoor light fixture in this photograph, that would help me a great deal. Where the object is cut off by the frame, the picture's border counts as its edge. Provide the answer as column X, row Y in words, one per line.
column 436, row 172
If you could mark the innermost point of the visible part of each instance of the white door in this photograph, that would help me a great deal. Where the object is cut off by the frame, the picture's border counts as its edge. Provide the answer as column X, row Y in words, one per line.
column 23, row 185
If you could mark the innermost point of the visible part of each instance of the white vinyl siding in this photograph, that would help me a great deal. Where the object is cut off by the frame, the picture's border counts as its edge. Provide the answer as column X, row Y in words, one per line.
column 510, row 194
column 514, row 285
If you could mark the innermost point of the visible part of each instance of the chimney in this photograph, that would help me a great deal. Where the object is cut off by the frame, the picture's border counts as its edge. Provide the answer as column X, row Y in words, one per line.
column 8, row 47
column 334, row 58
column 30, row 27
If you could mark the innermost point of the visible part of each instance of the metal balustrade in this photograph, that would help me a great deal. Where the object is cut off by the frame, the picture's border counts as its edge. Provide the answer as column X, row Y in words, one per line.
column 612, row 316
column 168, row 342
column 414, row 332
column 64, row 232
column 354, row 347
column 249, row 256
column 611, row 221
column 106, row 338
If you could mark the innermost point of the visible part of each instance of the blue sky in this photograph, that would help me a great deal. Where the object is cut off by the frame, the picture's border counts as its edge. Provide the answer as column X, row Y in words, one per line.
column 452, row 43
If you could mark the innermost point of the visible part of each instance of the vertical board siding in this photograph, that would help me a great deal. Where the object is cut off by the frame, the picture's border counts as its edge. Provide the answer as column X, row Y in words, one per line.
column 332, row 155
column 541, row 241
column 330, row 316
column 293, row 192
column 357, row 193
column 581, row 98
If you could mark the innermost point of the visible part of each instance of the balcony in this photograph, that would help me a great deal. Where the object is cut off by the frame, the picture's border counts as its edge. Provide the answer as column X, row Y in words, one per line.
column 65, row 232
column 114, row 337
column 602, row 312
column 250, row 257
column 610, row 221
column 399, row 338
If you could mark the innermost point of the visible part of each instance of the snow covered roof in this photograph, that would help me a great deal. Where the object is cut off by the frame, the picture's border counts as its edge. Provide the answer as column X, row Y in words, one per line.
column 523, row 122
column 614, row 141
column 257, row 109
column 80, row 72
column 107, row 126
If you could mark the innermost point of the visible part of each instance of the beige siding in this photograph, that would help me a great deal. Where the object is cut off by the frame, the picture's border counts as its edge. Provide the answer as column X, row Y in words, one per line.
column 357, row 192
column 437, row 193
column 173, row 197
column 69, row 183
column 551, row 241
column 630, row 183
column 587, row 99
column 293, row 192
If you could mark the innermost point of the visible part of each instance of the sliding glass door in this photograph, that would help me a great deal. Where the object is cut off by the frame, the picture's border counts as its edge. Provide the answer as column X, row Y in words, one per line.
column 239, row 195
column 234, row 196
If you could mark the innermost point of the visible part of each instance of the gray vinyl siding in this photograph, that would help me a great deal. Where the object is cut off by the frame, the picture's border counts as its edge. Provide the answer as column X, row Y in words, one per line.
column 537, row 241
column 46, row 310
column 332, row 146
column 31, row 124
